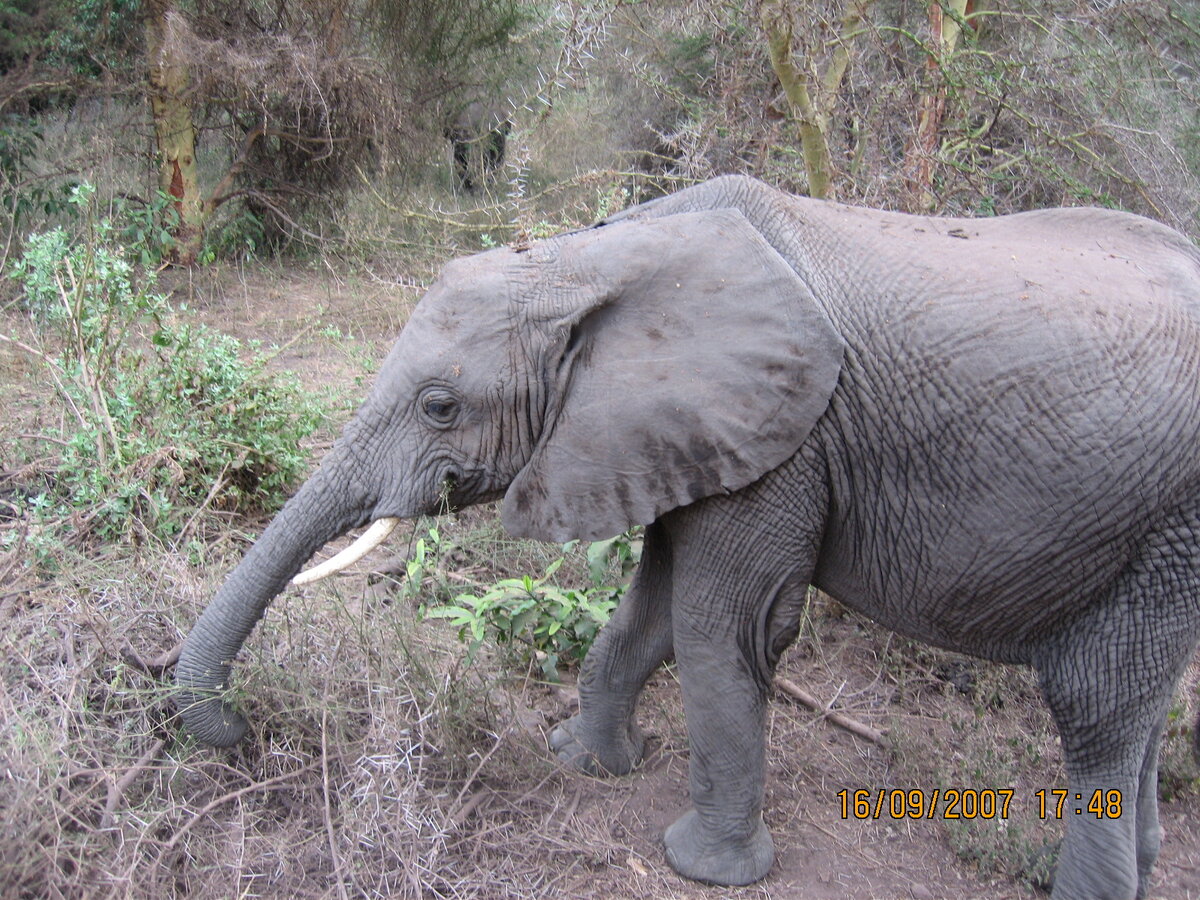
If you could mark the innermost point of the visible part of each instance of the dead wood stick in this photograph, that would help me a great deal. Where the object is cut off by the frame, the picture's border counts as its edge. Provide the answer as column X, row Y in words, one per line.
column 269, row 784
column 474, row 802
column 330, row 835
column 796, row 692
column 121, row 785
column 155, row 666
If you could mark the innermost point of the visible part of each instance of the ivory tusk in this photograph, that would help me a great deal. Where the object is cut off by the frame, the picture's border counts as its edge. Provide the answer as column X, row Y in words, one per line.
column 368, row 541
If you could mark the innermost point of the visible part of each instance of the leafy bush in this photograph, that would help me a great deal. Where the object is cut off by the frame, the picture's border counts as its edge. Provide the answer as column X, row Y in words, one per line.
column 164, row 416
column 537, row 620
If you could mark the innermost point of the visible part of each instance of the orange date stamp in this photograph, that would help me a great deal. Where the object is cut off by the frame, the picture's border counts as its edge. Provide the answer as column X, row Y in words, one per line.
column 973, row 803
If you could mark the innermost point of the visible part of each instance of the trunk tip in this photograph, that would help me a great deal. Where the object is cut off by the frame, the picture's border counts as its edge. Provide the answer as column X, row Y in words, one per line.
column 210, row 720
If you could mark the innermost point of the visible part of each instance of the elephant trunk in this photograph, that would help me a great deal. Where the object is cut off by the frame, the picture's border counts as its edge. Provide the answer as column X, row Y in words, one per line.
column 317, row 514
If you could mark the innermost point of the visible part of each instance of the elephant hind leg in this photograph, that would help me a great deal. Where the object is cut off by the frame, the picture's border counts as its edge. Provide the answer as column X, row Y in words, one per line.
column 1108, row 679
column 462, row 165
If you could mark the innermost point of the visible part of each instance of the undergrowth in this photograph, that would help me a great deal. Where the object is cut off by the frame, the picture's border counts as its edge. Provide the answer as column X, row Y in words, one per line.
column 164, row 416
column 536, row 621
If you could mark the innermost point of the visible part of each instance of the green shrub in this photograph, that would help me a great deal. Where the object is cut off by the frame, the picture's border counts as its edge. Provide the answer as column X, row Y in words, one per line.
column 537, row 621
column 164, row 416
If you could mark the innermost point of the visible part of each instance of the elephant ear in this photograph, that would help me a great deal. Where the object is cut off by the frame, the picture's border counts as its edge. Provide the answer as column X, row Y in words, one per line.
column 693, row 360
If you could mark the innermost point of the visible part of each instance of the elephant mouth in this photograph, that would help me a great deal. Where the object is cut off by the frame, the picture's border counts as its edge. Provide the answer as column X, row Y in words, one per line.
column 465, row 488
column 455, row 490
column 450, row 485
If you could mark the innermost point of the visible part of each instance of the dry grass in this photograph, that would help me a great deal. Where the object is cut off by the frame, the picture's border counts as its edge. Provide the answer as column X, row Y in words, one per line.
column 371, row 752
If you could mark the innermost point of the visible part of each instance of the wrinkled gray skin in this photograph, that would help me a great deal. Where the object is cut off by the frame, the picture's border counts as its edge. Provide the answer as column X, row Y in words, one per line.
column 981, row 433
column 478, row 134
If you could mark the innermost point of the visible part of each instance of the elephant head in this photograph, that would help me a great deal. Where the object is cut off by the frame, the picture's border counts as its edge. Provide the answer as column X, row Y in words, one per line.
column 594, row 381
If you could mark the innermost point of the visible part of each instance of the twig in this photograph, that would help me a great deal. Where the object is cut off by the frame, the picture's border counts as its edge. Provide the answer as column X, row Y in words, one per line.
column 55, row 370
column 44, row 437
column 118, row 787
column 458, row 805
column 796, row 692
column 277, row 352
column 154, row 666
column 269, row 784
column 217, row 486
column 32, row 351
column 460, row 815
column 9, row 595
column 329, row 832
column 266, row 201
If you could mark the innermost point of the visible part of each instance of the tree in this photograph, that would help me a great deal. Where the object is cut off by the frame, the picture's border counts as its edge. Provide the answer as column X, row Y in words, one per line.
column 945, row 26
column 307, row 94
column 168, row 90
column 812, row 96
column 946, row 106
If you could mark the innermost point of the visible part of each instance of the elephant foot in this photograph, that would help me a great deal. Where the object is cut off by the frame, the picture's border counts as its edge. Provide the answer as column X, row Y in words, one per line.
column 697, row 855
column 1149, row 843
column 619, row 754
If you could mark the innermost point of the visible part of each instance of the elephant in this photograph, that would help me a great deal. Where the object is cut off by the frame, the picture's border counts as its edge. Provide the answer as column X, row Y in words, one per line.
column 478, row 134
column 982, row 433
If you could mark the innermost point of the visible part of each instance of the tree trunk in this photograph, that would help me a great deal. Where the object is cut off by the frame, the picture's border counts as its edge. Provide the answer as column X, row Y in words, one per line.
column 170, row 107
column 944, row 32
column 811, row 100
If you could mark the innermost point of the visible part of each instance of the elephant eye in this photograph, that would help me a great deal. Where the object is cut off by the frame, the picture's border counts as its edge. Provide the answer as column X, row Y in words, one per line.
column 440, row 408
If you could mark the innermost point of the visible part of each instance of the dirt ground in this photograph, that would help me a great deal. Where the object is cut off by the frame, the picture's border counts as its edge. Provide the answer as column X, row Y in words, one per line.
column 947, row 722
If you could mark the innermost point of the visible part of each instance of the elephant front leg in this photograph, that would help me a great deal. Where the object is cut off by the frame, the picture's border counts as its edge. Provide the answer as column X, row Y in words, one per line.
column 604, row 738
column 729, row 629
column 742, row 570
column 723, row 839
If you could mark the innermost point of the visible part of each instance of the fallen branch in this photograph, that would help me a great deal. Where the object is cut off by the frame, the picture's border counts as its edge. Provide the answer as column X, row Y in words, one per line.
column 117, row 788
column 155, row 666
column 269, row 784
column 796, row 692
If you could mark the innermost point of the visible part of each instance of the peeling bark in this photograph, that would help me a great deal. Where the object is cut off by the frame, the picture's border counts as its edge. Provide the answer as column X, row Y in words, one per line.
column 174, row 131
column 944, row 33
